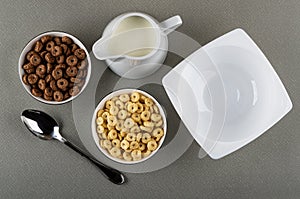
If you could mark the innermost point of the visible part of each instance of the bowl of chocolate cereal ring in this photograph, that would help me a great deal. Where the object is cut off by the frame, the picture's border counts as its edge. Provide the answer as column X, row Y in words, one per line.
column 129, row 126
column 54, row 67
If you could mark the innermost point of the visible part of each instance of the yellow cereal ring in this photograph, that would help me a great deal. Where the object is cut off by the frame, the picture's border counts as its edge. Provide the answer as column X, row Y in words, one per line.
column 132, row 107
column 135, row 96
column 155, row 108
column 119, row 104
column 124, row 98
column 149, row 124
column 101, row 144
column 100, row 129
column 130, row 137
column 146, row 138
column 115, row 152
column 142, row 146
column 159, row 123
column 99, row 121
column 136, row 154
column 127, row 156
column 136, row 117
column 105, row 115
column 123, row 132
column 112, row 134
column 128, row 123
column 112, row 120
column 128, row 150
column 145, row 115
column 110, row 127
column 158, row 132
column 146, row 108
column 122, row 114
column 146, row 154
column 148, row 102
column 135, row 129
column 139, row 137
column 116, row 143
column 134, row 145
column 114, row 99
column 104, row 136
column 109, row 104
column 155, row 117
column 140, row 107
column 99, row 113
column 142, row 98
column 107, row 144
column 120, row 137
column 120, row 125
column 124, row 144
column 114, row 110
column 152, row 145
column 147, row 129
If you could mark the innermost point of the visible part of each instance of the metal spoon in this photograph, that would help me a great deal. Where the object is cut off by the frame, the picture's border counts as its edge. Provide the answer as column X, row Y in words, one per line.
column 45, row 127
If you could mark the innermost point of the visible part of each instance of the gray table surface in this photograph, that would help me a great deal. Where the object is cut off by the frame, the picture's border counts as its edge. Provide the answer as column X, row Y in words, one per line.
column 269, row 167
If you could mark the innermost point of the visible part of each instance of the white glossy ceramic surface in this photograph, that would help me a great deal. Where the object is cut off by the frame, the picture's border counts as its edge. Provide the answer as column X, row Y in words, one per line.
column 29, row 46
column 227, row 93
column 136, row 67
column 101, row 105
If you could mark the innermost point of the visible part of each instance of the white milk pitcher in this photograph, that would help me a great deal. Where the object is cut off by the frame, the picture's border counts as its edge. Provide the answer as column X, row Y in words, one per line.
column 134, row 45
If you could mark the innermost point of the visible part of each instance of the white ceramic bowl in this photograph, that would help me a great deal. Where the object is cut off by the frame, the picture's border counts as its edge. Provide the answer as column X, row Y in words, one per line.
column 29, row 46
column 101, row 105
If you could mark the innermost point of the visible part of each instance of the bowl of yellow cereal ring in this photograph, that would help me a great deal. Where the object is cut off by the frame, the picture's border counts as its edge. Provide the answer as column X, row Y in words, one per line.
column 129, row 126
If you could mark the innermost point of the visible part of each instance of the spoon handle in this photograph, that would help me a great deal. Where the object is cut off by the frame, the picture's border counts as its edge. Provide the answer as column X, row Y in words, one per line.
column 111, row 174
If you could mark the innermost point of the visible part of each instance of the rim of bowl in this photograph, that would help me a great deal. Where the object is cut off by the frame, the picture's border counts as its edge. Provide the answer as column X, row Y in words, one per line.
column 101, row 104
column 30, row 44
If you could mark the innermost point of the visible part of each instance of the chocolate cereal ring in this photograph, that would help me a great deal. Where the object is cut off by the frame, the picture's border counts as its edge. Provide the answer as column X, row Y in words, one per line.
column 74, row 47
column 29, row 54
column 60, row 59
column 36, row 92
column 29, row 71
column 66, row 95
column 75, row 80
column 72, row 60
column 49, row 58
column 62, row 83
column 35, row 59
column 49, row 68
column 67, row 40
column 82, row 65
column 60, row 66
column 56, row 51
column 32, row 79
column 41, row 70
column 38, row 46
column 58, row 96
column 64, row 48
column 57, row 40
column 57, row 73
column 74, row 91
column 79, row 53
column 24, row 78
column 48, row 98
column 42, row 84
column 48, row 91
column 43, row 53
column 50, row 45
column 48, row 78
column 28, row 66
column 45, row 38
column 71, row 71
column 53, row 85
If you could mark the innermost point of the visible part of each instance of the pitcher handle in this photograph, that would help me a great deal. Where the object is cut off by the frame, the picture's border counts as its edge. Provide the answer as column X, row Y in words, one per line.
column 169, row 25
